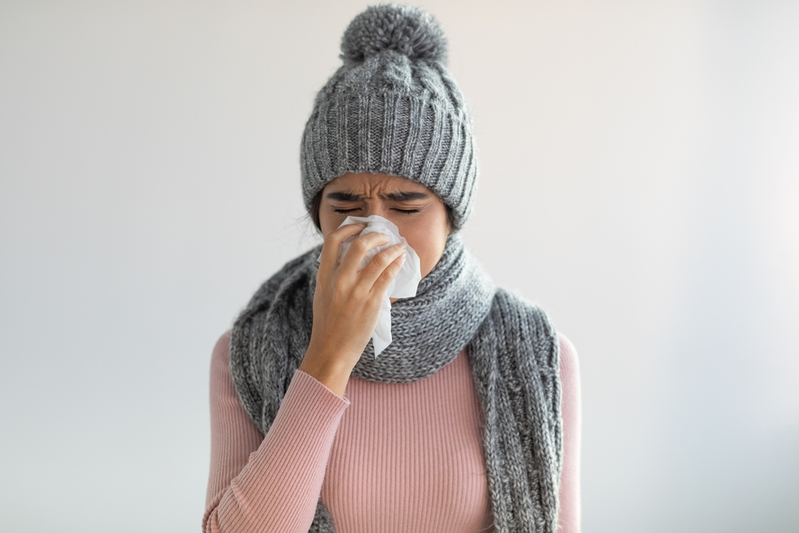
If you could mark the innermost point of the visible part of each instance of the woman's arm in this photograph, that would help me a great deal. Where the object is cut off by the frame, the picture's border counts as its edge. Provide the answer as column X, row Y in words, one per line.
column 272, row 483
column 572, row 419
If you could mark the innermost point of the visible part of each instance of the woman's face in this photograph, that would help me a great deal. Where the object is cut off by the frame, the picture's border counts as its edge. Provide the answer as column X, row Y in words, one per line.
column 417, row 211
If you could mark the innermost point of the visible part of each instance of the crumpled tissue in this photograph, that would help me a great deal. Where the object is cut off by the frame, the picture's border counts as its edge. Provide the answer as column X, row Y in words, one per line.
column 404, row 284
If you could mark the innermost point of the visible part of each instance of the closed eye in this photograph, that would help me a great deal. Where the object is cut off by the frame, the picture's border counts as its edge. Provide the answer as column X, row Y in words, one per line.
column 343, row 211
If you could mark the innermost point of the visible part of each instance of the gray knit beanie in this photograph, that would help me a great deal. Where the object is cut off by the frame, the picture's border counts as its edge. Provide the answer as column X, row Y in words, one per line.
column 392, row 108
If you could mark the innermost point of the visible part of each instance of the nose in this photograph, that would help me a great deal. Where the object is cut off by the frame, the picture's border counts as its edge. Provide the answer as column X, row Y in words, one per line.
column 376, row 208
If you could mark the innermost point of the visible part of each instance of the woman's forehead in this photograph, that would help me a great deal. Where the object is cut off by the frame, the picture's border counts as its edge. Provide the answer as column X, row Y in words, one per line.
column 366, row 183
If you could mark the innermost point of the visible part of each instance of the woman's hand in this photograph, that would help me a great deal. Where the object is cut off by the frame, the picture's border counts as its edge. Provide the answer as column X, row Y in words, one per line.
column 346, row 303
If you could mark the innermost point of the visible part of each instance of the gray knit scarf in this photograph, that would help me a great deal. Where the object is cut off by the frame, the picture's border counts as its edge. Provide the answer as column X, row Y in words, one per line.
column 511, row 345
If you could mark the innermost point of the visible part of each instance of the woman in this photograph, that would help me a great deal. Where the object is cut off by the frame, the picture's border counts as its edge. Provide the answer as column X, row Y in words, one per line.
column 469, row 419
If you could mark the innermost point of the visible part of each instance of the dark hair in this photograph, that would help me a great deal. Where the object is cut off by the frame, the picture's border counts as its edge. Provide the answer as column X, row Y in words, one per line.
column 317, row 202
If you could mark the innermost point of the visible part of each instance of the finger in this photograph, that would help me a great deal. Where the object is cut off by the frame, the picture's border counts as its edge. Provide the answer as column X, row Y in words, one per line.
column 333, row 241
column 385, row 278
column 381, row 263
column 359, row 247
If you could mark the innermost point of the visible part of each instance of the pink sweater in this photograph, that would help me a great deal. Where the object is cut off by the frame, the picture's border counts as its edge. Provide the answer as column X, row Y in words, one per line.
column 387, row 458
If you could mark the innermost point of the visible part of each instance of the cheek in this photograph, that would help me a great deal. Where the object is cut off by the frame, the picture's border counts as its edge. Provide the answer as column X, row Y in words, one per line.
column 428, row 239
column 329, row 222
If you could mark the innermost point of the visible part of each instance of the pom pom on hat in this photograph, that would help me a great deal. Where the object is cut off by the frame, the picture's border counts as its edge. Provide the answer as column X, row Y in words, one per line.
column 403, row 29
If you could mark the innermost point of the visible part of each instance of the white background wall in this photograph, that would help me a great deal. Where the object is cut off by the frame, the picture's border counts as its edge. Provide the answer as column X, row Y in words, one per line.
column 639, row 178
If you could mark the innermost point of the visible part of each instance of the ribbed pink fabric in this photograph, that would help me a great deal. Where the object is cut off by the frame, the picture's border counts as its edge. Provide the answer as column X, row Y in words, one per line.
column 276, row 487
column 409, row 457
column 401, row 458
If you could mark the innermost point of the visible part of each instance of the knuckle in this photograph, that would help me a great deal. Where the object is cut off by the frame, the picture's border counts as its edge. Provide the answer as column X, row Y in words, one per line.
column 388, row 274
column 358, row 292
column 394, row 269
column 381, row 261
column 362, row 246
column 359, row 245
column 339, row 286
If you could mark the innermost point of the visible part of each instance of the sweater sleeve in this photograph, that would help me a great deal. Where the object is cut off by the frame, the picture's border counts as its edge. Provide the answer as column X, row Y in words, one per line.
column 569, row 496
column 267, row 483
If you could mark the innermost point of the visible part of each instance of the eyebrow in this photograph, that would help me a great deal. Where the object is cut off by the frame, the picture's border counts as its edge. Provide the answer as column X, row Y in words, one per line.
column 401, row 196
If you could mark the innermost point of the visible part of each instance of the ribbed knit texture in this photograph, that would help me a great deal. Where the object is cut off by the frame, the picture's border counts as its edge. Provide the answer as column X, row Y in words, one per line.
column 430, row 329
column 247, row 466
column 414, row 460
column 514, row 356
column 392, row 108
column 404, row 458
column 310, row 400
column 515, row 361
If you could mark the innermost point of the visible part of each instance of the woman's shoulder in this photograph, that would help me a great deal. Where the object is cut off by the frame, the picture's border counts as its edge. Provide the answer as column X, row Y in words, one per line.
column 220, row 357
column 569, row 363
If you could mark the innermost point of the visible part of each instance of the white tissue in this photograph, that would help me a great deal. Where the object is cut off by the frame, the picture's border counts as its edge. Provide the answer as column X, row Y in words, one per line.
column 404, row 284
